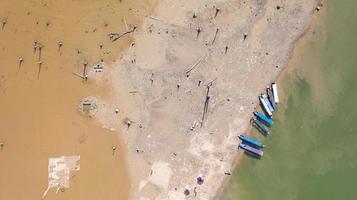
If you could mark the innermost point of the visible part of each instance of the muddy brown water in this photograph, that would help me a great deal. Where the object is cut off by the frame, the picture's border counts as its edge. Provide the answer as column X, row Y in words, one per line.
column 38, row 102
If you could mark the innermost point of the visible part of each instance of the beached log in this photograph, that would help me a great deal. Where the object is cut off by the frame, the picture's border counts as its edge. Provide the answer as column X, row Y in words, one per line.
column 115, row 36
column 215, row 35
column 85, row 78
column 206, row 103
column 194, row 66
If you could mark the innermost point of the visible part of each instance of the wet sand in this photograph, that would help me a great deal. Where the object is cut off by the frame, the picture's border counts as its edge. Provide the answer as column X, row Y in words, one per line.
column 39, row 102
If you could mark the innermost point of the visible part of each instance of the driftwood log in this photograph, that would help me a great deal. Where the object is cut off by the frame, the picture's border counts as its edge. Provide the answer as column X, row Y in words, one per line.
column 115, row 36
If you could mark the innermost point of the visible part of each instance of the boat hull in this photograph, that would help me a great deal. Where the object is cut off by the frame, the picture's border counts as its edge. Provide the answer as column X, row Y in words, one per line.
column 251, row 149
column 265, row 98
column 263, row 118
column 251, row 141
column 261, row 127
column 265, row 106
column 271, row 98
column 275, row 92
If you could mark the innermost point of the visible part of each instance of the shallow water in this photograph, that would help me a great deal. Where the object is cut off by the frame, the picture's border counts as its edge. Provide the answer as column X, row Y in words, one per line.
column 311, row 153
column 38, row 102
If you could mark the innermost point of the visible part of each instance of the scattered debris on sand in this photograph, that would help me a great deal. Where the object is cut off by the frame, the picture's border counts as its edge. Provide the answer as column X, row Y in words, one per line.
column 194, row 87
column 59, row 171
column 88, row 106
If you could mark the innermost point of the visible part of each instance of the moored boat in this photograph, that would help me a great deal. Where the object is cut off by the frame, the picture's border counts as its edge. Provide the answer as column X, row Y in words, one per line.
column 265, row 106
column 275, row 92
column 271, row 97
column 264, row 96
column 251, row 141
column 263, row 118
column 261, row 127
column 250, row 149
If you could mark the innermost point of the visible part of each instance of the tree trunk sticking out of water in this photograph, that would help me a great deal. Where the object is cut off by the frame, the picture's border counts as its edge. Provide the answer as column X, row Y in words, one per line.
column 21, row 59
column 85, row 63
column 113, row 149
column 84, row 74
column 127, row 122
column 40, row 46
column 59, row 44
column 39, row 69
column 199, row 30
column 217, row 11
column 3, row 22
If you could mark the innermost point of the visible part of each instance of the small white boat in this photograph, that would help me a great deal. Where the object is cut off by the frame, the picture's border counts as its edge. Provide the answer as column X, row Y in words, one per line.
column 268, row 102
column 265, row 106
column 275, row 92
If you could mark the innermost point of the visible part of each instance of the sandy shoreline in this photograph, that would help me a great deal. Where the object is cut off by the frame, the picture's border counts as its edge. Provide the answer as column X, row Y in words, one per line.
column 161, row 84
column 310, row 35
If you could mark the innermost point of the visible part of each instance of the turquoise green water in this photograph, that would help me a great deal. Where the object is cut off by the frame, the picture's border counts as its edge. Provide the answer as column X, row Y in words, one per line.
column 312, row 151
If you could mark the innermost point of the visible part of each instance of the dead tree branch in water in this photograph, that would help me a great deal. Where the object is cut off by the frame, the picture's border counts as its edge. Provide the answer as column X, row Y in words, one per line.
column 115, row 36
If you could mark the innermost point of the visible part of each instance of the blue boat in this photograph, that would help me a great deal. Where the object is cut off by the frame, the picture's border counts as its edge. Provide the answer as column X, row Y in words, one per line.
column 263, row 118
column 261, row 127
column 252, row 150
column 251, row 141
